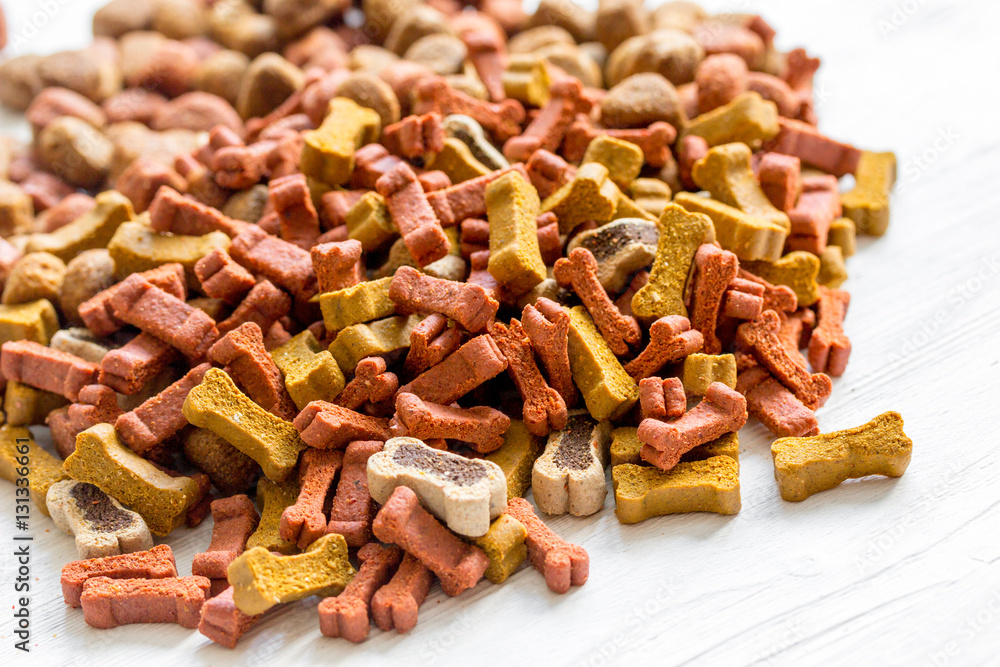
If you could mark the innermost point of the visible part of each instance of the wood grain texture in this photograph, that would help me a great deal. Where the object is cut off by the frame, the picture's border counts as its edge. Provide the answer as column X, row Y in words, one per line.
column 875, row 572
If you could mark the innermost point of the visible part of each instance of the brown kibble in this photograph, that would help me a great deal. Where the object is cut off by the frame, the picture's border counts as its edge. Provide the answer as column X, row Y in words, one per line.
column 37, row 275
column 346, row 615
column 641, row 100
column 662, row 398
column 72, row 149
column 304, row 521
column 235, row 520
column 670, row 338
column 561, row 563
column 829, row 347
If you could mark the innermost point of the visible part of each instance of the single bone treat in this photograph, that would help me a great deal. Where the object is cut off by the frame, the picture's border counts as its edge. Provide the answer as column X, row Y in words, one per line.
column 402, row 521
column 504, row 545
column 352, row 509
column 481, row 427
column 41, row 367
column 159, row 417
column 569, row 475
column 466, row 494
column 469, row 305
column 681, row 233
column 310, row 372
column 868, row 203
column 247, row 361
column 328, row 426
column 748, row 237
column 748, row 119
column 589, row 195
column 641, row 492
column 395, row 605
column 547, row 326
column 829, row 347
column 515, row 257
column 670, row 338
column 471, row 133
column 338, row 265
column 235, row 520
column 544, row 409
column 469, row 366
column 804, row 466
column 380, row 338
column 136, row 364
column 414, row 136
column 561, row 563
column 780, row 178
column 284, row 264
column 621, row 248
column 222, row 278
column 264, row 305
column 261, row 579
column 346, row 615
column 156, row 563
column 715, row 269
column 412, row 214
column 304, row 521
column 579, row 271
column 273, row 499
column 371, row 384
column 328, row 153
column 805, row 142
column 761, row 335
column 223, row 622
column 430, row 342
column 216, row 404
column 162, row 500
column 101, row 525
column 774, row 406
column 662, row 399
column 607, row 389
column 701, row 370
column 109, row 603
column 359, row 303
column 723, row 410
column 726, row 173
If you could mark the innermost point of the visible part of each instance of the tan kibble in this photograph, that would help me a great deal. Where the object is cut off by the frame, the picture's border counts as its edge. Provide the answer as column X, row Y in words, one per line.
column 672, row 53
column 641, row 100
column 38, row 275
column 17, row 213
column 89, row 72
column 533, row 39
column 370, row 91
column 221, row 74
column 420, row 21
column 371, row 58
column 574, row 61
column 72, row 149
column 445, row 54
column 237, row 26
column 118, row 17
column 268, row 82
column 87, row 274
column 381, row 14
column 569, row 16
column 180, row 19
column 19, row 81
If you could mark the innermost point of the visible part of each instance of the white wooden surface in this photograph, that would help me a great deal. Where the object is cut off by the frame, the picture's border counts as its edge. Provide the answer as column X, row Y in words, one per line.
column 875, row 572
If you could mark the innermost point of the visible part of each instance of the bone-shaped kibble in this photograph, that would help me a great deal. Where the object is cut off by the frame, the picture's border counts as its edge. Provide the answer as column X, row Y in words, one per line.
column 102, row 460
column 311, row 373
column 304, row 521
column 283, row 263
column 701, row 370
column 681, row 233
column 748, row 119
column 101, row 525
column 93, row 229
column 715, row 269
column 109, row 603
column 622, row 159
column 579, row 271
column 347, row 614
column 544, row 409
column 98, row 315
column 502, row 120
column 292, row 202
column 132, row 366
column 35, row 321
column 221, row 277
column 338, row 265
column 264, row 305
column 471, row 133
column 42, row 367
column 804, row 466
column 140, row 303
column 774, row 406
column 44, row 470
column 170, row 211
column 561, row 563
column 216, row 404
column 780, row 178
column 402, row 521
column 829, row 347
column 590, row 195
column 159, row 417
column 762, row 336
column 371, row 162
column 504, row 545
column 366, row 301
column 515, row 258
column 642, row 492
column 547, row 327
column 371, row 383
column 723, row 410
column 352, row 509
column 222, row 622
column 378, row 338
column 465, row 200
column 548, row 172
column 273, row 499
column 368, row 222
column 261, row 579
column 670, row 338
column 327, row 426
column 743, row 299
column 412, row 214
column 548, row 128
column 136, row 248
column 235, row 520
column 396, row 604
column 805, row 142
column 456, row 161
column 749, row 238
column 818, row 206
column 430, row 342
column 414, row 136
column 465, row 493
column 606, row 387
column 469, row 305
column 569, row 475
column 328, row 153
column 481, row 427
column 727, row 175
column 662, row 398
column 868, row 203
column 243, row 354
column 654, row 141
column 156, row 563
column 469, row 366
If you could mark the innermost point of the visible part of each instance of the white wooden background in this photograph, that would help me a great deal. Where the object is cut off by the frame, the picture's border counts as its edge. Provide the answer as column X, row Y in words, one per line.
column 876, row 572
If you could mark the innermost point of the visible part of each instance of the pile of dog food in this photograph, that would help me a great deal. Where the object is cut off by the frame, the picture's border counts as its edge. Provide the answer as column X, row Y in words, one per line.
column 355, row 280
